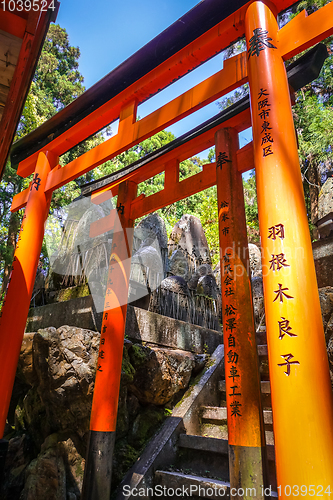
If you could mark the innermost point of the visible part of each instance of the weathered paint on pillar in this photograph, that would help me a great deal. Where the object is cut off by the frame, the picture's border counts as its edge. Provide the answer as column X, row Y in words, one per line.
column 103, row 420
column 300, row 383
column 247, row 454
column 14, row 312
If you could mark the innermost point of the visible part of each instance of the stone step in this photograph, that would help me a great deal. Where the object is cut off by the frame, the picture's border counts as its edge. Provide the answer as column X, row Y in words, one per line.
column 214, row 430
column 214, row 424
column 265, row 386
column 196, row 486
column 219, row 414
column 215, row 445
column 202, row 443
column 269, row 437
column 221, row 432
column 191, row 485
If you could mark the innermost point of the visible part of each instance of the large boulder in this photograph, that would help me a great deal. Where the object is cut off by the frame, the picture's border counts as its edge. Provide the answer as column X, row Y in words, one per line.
column 149, row 263
column 173, row 299
column 19, row 455
column 145, row 424
column 159, row 373
column 64, row 362
column 52, row 409
column 46, row 477
column 57, row 472
column 25, row 367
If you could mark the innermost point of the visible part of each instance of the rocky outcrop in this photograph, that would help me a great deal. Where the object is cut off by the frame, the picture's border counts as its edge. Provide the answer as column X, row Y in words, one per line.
column 49, row 422
column 64, row 361
column 159, row 373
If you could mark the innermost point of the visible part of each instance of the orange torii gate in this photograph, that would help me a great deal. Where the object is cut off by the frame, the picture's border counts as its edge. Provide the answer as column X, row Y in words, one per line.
column 300, row 382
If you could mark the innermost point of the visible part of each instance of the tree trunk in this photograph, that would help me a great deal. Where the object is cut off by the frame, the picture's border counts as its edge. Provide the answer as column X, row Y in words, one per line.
column 314, row 189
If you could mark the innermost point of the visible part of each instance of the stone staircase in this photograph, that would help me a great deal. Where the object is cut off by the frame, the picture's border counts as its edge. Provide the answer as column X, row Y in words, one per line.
column 202, row 460
column 200, row 454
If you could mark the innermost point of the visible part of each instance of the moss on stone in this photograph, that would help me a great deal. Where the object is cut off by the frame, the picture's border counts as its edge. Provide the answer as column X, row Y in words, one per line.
column 19, row 417
column 72, row 293
column 146, row 424
column 138, row 354
column 79, row 471
column 127, row 370
column 124, row 457
column 50, row 442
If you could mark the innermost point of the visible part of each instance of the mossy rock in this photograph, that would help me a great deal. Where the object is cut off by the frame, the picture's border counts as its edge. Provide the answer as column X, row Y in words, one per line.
column 139, row 355
column 124, row 457
column 35, row 417
column 127, row 370
column 72, row 293
column 145, row 425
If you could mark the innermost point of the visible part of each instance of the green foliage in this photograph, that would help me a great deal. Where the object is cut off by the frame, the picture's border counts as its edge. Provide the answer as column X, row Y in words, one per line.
column 57, row 73
column 315, row 131
column 313, row 117
column 251, row 206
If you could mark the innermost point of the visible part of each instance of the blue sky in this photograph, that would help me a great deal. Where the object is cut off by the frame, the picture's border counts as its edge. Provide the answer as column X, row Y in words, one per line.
column 108, row 32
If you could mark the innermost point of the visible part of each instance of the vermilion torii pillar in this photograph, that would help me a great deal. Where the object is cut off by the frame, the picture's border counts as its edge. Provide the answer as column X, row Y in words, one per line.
column 300, row 383
column 16, row 304
column 246, row 437
column 103, row 420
